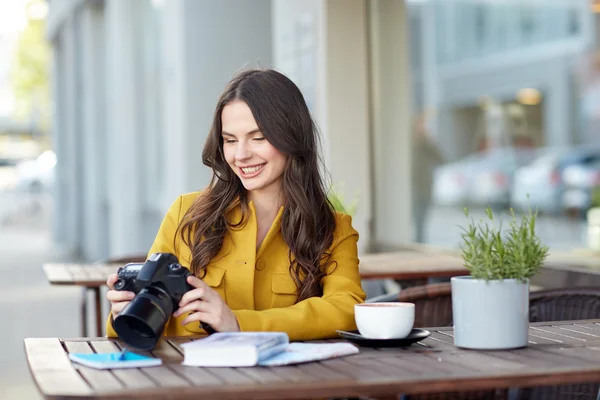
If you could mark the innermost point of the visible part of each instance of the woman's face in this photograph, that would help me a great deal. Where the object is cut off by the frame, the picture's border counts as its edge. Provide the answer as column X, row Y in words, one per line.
column 252, row 158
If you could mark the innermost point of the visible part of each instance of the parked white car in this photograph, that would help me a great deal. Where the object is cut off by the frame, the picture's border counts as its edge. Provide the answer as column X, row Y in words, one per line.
column 483, row 178
column 580, row 180
column 550, row 179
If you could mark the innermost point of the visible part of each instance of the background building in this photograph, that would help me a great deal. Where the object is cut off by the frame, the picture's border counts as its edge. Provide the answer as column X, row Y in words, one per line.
column 520, row 55
column 135, row 84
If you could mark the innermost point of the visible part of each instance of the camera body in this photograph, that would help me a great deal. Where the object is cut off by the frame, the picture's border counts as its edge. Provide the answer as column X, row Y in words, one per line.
column 162, row 270
column 159, row 284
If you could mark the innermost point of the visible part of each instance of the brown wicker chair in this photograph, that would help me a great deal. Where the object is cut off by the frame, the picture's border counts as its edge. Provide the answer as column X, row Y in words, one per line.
column 433, row 303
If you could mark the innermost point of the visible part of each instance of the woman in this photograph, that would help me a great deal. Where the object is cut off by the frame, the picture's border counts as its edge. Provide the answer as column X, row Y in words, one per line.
column 266, row 248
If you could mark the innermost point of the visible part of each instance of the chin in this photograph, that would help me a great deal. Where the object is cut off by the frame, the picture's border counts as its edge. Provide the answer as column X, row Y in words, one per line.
column 250, row 186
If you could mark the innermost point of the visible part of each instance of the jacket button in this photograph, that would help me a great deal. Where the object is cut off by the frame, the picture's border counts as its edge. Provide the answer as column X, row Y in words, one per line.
column 260, row 264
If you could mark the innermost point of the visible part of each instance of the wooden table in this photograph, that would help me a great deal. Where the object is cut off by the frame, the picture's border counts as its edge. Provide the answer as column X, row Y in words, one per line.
column 567, row 269
column 91, row 277
column 558, row 353
column 410, row 264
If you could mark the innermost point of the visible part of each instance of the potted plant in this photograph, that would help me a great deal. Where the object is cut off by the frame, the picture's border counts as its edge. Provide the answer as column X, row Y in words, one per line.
column 490, row 307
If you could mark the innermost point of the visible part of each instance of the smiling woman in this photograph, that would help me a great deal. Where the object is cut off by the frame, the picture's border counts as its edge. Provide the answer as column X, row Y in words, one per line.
column 267, row 249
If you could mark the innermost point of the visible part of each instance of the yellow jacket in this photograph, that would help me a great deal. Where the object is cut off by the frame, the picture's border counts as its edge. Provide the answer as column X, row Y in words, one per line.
column 256, row 284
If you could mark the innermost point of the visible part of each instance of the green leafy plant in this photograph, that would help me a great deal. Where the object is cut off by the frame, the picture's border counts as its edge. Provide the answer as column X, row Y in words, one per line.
column 491, row 254
column 339, row 205
column 595, row 201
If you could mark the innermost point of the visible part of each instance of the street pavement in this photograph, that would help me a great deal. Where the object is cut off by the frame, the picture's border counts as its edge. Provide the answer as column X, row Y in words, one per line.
column 30, row 307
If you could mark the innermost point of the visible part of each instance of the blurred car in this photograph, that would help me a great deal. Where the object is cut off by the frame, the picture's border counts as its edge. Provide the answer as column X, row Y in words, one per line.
column 483, row 178
column 37, row 174
column 540, row 185
column 580, row 179
column 450, row 183
column 493, row 176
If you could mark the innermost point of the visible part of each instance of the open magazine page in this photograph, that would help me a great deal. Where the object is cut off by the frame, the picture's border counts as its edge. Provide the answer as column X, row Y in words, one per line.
column 296, row 353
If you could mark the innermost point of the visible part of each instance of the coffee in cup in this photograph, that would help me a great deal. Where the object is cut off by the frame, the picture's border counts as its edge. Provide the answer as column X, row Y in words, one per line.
column 384, row 320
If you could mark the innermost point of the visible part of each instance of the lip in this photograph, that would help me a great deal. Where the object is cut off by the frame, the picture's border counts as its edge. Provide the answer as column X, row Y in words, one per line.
column 253, row 174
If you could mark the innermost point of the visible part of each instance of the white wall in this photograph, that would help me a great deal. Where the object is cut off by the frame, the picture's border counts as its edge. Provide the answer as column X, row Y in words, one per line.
column 391, row 121
column 206, row 43
column 347, row 104
column 93, row 134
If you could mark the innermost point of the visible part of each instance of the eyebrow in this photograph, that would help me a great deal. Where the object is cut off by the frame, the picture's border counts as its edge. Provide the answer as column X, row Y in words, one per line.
column 223, row 133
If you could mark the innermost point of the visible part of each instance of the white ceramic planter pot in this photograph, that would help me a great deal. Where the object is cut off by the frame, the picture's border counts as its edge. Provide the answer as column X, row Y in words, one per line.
column 490, row 314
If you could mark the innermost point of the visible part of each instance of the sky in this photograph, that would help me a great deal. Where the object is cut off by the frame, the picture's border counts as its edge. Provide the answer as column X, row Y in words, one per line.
column 12, row 16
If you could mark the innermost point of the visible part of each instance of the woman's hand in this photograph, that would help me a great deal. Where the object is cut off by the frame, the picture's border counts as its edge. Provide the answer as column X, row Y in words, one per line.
column 118, row 299
column 204, row 304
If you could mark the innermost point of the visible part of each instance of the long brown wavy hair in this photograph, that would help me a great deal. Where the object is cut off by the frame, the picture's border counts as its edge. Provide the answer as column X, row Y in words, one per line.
column 308, row 220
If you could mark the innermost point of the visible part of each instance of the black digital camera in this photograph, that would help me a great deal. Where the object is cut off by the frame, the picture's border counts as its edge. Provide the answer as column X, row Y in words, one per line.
column 159, row 283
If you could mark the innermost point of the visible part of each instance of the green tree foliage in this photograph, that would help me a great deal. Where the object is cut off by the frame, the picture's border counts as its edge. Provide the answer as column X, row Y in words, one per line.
column 30, row 69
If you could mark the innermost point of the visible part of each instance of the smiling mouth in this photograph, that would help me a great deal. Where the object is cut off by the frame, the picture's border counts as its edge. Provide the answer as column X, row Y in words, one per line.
column 250, row 172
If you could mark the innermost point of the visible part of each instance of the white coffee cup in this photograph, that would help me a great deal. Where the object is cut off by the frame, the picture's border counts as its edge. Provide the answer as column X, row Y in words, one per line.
column 384, row 320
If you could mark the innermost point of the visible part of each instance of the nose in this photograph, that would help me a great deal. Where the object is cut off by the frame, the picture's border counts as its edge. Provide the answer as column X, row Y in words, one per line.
column 242, row 152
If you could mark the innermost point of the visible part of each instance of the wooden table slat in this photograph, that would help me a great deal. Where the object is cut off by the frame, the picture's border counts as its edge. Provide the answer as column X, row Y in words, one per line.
column 263, row 375
column 167, row 352
column 52, row 369
column 341, row 365
column 197, row 376
column 231, row 376
column 567, row 335
column 101, row 380
column 410, row 368
column 57, row 273
column 317, row 369
column 583, row 330
column 100, row 273
column 292, row 373
column 164, row 376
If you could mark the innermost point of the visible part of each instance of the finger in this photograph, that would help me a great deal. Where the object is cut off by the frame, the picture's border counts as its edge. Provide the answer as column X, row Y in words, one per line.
column 208, row 318
column 209, row 293
column 118, row 307
column 116, row 295
column 112, row 278
column 195, row 282
column 192, row 295
column 194, row 306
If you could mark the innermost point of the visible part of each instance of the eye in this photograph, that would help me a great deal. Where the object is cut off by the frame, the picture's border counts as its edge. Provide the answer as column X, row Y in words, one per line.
column 229, row 141
column 259, row 138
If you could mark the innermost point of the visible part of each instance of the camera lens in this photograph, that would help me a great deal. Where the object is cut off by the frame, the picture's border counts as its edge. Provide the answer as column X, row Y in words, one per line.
column 141, row 323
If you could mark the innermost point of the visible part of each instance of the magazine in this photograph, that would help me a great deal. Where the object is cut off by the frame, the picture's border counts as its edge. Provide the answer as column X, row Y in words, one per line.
column 246, row 349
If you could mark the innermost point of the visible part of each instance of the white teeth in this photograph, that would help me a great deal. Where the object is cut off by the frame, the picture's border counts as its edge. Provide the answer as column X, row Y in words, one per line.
column 251, row 170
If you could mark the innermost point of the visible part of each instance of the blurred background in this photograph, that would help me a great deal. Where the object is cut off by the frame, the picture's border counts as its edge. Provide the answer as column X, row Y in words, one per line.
column 425, row 107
